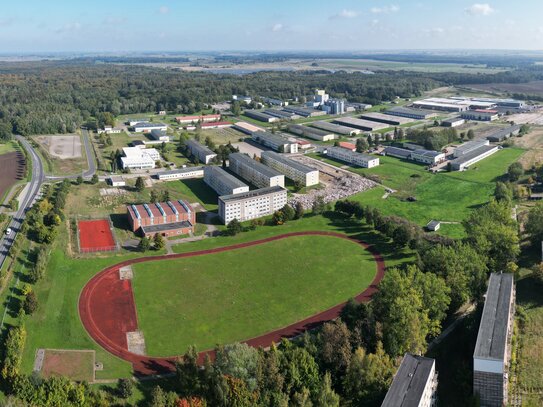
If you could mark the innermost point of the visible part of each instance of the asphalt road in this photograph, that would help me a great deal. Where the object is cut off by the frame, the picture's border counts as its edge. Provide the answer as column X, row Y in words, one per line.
column 30, row 195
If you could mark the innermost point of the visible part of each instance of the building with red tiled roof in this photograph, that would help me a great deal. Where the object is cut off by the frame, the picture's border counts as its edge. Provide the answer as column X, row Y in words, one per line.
column 166, row 218
column 201, row 118
column 346, row 145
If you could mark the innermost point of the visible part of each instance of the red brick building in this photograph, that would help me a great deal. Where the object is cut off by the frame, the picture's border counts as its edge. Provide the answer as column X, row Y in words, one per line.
column 166, row 218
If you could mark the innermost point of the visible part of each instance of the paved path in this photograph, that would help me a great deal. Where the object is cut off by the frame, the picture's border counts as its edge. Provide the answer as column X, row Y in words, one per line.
column 107, row 309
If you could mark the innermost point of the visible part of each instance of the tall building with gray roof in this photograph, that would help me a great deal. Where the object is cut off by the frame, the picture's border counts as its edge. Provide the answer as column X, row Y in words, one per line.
column 222, row 182
column 254, row 172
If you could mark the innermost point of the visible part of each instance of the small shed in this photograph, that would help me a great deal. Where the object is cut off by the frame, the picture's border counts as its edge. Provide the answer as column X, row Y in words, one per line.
column 433, row 225
column 116, row 181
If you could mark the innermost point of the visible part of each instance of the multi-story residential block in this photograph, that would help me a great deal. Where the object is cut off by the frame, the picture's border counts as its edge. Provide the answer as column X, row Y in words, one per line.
column 181, row 173
column 204, row 154
column 222, row 182
column 275, row 142
column 254, row 172
column 252, row 205
column 352, row 157
column 293, row 170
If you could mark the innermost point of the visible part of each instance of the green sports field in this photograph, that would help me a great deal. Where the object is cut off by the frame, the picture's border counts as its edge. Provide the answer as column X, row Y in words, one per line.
column 240, row 294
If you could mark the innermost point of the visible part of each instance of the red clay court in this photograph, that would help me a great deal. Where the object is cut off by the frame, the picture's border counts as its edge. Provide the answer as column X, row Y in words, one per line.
column 108, row 311
column 95, row 236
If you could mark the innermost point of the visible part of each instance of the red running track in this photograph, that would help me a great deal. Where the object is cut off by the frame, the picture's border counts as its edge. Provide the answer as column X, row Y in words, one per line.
column 95, row 235
column 108, row 311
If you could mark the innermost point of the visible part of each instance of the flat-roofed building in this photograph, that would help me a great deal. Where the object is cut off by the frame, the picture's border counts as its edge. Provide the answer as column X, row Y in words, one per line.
column 414, row 384
column 293, row 170
column 160, row 135
column 430, row 157
column 261, row 116
column 351, row 157
column 254, row 172
column 109, row 130
column 304, row 111
column 170, row 218
column 116, row 181
column 181, row 173
column 492, row 354
column 513, row 103
column 453, row 122
column 206, row 118
column 417, row 114
column 480, row 115
column 465, row 160
column 443, row 104
column 216, row 125
column 365, row 125
column 312, row 133
column 204, row 154
column 147, row 127
column 222, row 182
column 502, row 134
column 275, row 142
column 247, row 128
column 469, row 146
column 335, row 128
column 397, row 152
column 133, row 122
column 139, row 158
column 252, row 205
column 281, row 114
column 386, row 119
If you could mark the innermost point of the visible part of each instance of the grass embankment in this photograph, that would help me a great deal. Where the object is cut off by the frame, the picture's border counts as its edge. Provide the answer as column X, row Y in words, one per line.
column 235, row 295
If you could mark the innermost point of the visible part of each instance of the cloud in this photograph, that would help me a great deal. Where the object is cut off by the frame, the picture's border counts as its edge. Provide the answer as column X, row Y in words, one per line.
column 277, row 27
column 345, row 14
column 164, row 10
column 480, row 9
column 113, row 20
column 385, row 10
column 69, row 27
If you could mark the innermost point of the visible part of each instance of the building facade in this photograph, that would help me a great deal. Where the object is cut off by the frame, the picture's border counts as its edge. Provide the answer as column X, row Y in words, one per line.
column 351, row 157
column 293, row 170
column 147, row 127
column 181, row 173
column 252, row 205
column 254, row 172
column 195, row 119
column 136, row 158
column 274, row 141
column 222, row 182
column 492, row 355
column 204, row 154
column 312, row 133
column 429, row 157
column 170, row 218
column 480, row 115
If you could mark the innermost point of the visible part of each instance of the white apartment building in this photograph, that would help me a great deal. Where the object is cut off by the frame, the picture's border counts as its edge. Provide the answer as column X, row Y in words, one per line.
column 254, row 172
column 181, row 173
column 204, row 154
column 222, row 182
column 352, row 157
column 293, row 170
column 139, row 159
column 275, row 142
column 252, row 205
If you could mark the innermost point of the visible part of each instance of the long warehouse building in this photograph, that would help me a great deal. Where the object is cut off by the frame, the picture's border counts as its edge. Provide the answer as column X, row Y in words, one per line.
column 260, row 116
column 254, row 172
column 352, row 157
column 252, row 205
column 417, row 114
column 204, row 154
column 335, row 128
column 222, row 182
column 386, row 119
column 181, row 173
column 361, row 124
column 312, row 133
column 465, row 160
column 293, row 170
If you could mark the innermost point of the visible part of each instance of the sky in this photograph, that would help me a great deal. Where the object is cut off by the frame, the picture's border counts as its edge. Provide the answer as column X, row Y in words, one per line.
column 269, row 25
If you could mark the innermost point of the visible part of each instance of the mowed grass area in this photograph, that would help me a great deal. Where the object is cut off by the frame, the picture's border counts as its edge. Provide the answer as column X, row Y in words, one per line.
column 9, row 147
column 236, row 295
column 446, row 196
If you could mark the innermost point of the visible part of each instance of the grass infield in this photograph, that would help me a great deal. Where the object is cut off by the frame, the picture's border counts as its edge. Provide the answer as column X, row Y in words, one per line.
column 236, row 295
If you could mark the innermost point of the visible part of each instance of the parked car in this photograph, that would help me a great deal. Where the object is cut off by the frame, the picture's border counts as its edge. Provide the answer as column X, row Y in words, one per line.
column 8, row 231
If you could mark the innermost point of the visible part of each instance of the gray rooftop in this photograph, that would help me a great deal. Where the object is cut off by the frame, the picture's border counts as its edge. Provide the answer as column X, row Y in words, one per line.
column 278, row 113
column 181, row 170
column 336, row 128
column 310, row 130
column 452, row 120
column 492, row 336
column 503, row 133
column 224, row 178
column 272, row 138
column 200, row 148
column 352, row 153
column 409, row 110
column 255, row 165
column 252, row 194
column 470, row 146
column 427, row 153
column 287, row 161
column 255, row 114
column 401, row 152
column 147, row 124
column 409, row 382
column 471, row 155
column 361, row 123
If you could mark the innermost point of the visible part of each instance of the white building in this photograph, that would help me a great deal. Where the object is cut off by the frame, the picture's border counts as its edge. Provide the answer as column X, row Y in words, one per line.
column 133, row 122
column 414, row 384
column 429, row 157
column 254, row 172
column 274, row 141
column 147, row 127
column 201, row 118
column 311, row 132
column 109, row 130
column 204, row 154
column 469, row 146
column 247, row 128
column 181, row 173
column 293, row 170
column 252, row 205
column 222, row 182
column 138, row 158
column 160, row 135
column 352, row 157
column 463, row 161
column 116, row 181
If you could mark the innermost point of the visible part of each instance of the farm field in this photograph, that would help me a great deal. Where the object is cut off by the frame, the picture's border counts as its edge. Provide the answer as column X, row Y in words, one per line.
column 237, row 295
column 529, row 88
column 13, row 170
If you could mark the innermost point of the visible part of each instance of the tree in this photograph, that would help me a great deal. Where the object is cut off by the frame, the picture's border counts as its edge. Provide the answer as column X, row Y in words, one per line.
column 144, row 244
column 300, row 369
column 79, row 180
column 319, row 206
column 94, row 179
column 125, row 388
column 234, row 227
column 165, row 196
column 402, row 235
column 534, row 224
column 158, row 241
column 278, row 217
column 140, row 184
column 361, row 145
column 515, row 171
column 153, row 196
column 503, row 192
column 289, row 212
column 299, row 210
column 327, row 397
column 30, row 304
column 335, row 347
column 238, row 360
column 187, row 372
column 471, row 134
column 158, row 397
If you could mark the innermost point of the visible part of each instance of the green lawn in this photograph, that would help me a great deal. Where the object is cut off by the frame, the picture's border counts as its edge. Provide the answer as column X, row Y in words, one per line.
column 236, row 295
column 9, row 147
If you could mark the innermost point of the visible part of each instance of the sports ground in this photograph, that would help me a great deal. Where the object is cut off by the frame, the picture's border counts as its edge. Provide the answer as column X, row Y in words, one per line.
column 95, row 236
column 111, row 307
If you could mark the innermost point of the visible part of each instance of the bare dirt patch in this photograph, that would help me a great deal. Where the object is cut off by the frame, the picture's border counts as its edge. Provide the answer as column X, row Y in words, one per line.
column 136, row 342
column 13, row 170
column 533, row 143
column 64, row 147
column 77, row 365
column 535, row 117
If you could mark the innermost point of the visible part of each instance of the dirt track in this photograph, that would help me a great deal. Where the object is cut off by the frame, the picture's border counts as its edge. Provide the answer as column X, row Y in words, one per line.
column 12, row 166
column 107, row 309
